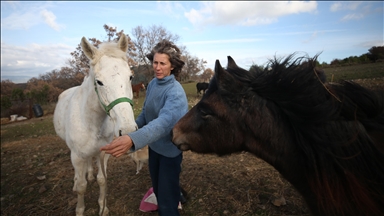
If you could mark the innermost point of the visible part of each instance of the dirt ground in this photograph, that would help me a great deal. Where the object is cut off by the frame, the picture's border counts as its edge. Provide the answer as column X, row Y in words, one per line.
column 37, row 179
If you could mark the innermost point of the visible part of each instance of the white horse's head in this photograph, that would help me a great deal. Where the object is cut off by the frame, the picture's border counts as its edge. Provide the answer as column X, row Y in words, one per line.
column 112, row 77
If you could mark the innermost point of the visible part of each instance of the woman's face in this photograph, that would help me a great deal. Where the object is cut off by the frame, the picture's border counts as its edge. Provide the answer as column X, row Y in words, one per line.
column 161, row 65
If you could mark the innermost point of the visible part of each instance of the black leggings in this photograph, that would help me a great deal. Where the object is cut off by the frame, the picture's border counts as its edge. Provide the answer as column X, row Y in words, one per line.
column 165, row 176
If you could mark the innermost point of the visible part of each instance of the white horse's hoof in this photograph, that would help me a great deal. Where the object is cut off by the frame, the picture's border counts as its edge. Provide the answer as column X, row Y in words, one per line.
column 106, row 212
column 80, row 212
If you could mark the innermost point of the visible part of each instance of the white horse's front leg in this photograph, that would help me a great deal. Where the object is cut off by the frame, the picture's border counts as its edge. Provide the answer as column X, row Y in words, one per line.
column 102, row 181
column 90, row 176
column 80, row 183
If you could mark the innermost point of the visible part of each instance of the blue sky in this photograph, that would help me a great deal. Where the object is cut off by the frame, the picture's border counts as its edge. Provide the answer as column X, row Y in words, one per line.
column 38, row 36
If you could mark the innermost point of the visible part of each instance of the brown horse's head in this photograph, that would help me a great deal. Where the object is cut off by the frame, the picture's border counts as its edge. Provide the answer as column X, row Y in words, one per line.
column 220, row 123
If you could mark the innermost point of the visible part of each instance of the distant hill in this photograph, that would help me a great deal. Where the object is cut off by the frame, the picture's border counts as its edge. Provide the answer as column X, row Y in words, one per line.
column 16, row 79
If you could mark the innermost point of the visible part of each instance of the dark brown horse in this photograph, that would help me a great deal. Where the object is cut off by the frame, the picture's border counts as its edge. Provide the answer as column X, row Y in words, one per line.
column 203, row 86
column 326, row 139
column 137, row 88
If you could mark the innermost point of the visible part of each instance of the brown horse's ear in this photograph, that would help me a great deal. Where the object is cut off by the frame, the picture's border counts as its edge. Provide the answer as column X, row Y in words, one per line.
column 231, row 63
column 225, row 80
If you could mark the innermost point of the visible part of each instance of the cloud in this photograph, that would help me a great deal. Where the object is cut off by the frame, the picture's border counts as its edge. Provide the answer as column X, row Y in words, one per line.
column 354, row 16
column 246, row 13
column 243, row 40
column 338, row 6
column 17, row 21
column 25, row 19
column 34, row 59
column 359, row 11
column 50, row 19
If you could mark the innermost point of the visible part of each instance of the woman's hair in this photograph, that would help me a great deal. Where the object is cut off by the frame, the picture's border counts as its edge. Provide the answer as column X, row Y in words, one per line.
column 173, row 52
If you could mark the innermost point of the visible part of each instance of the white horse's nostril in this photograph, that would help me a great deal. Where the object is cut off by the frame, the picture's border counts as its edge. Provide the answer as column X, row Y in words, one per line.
column 120, row 133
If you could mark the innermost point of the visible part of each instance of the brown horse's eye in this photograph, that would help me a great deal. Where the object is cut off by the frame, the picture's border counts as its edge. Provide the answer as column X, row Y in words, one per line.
column 205, row 113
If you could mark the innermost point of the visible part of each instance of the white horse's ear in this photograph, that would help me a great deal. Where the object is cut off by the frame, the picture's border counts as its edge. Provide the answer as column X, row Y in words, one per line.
column 88, row 49
column 123, row 43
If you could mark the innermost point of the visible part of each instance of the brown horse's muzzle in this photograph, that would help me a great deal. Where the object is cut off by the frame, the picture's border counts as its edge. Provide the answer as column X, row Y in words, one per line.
column 178, row 140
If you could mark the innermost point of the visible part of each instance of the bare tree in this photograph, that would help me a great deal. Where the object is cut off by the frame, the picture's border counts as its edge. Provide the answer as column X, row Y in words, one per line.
column 144, row 40
column 193, row 66
column 42, row 91
column 207, row 75
column 6, row 87
column 81, row 63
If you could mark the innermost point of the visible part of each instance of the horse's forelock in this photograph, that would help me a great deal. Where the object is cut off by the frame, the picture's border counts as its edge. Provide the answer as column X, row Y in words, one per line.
column 110, row 49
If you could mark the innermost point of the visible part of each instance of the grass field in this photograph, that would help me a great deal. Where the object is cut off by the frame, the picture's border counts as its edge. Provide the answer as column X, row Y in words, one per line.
column 352, row 72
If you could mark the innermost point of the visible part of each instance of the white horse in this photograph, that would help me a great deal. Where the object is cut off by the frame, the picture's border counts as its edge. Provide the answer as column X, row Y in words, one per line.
column 89, row 116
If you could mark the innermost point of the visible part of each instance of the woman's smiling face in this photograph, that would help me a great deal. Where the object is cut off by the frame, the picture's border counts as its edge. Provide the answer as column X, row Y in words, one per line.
column 161, row 65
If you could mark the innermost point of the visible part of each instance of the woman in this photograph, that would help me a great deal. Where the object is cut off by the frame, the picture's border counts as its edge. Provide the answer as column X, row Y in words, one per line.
column 164, row 105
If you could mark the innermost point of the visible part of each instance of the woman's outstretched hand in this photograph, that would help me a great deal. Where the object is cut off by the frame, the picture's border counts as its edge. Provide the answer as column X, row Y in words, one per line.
column 118, row 146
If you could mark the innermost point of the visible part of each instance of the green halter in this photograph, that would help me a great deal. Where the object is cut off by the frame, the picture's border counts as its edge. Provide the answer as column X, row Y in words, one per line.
column 113, row 103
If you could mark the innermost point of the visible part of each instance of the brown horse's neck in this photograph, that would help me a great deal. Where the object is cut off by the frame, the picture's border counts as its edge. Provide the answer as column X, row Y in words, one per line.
column 329, row 185
column 326, row 188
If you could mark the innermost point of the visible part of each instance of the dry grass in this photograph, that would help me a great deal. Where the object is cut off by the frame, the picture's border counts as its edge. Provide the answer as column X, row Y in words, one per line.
column 240, row 184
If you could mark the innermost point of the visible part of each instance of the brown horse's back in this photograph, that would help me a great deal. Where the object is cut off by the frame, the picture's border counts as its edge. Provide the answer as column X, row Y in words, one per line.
column 136, row 88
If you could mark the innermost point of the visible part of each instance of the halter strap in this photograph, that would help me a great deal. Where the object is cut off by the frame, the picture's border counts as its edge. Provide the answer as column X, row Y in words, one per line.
column 107, row 108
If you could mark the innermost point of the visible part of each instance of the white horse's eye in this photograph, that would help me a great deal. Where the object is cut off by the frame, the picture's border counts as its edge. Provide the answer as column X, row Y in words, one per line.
column 99, row 82
column 131, row 77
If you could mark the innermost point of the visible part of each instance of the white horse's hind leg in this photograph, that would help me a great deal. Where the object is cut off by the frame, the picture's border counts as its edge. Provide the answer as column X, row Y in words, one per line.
column 90, row 176
column 102, row 181
column 80, row 183
column 139, row 166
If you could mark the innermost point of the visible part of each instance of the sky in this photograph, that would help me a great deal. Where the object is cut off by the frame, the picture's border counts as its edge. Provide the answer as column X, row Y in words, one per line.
column 38, row 36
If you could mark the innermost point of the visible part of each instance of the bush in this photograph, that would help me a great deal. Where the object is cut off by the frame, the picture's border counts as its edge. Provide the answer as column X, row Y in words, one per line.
column 5, row 102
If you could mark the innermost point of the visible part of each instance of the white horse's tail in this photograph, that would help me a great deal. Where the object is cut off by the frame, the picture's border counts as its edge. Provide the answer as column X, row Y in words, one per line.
column 102, row 156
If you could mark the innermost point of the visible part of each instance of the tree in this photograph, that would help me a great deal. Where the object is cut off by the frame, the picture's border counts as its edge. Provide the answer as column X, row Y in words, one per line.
column 80, row 62
column 6, row 87
column 376, row 53
column 42, row 91
column 5, row 103
column 192, row 67
column 335, row 62
column 144, row 40
column 254, row 68
column 207, row 74
column 18, row 94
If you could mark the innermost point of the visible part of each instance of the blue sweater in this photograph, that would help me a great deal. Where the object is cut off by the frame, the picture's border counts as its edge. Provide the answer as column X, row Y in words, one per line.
column 164, row 105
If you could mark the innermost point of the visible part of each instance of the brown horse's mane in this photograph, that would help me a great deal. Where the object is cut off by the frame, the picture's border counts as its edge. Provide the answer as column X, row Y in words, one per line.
column 331, row 125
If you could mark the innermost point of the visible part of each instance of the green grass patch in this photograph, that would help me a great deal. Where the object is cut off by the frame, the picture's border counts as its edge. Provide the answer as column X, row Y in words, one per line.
column 39, row 127
column 352, row 72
